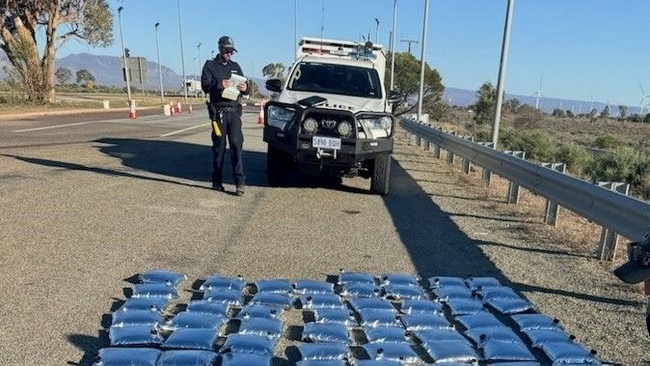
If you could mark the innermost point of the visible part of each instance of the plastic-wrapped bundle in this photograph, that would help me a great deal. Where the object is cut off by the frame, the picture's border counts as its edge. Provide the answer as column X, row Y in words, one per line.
column 224, row 283
column 134, row 335
column 168, row 277
column 144, row 303
column 400, row 279
column 284, row 301
column 479, row 335
column 192, row 338
column 451, row 351
column 387, row 335
column 403, row 292
column 447, row 293
column 438, row 334
column 360, row 290
column 324, row 332
column 465, row 306
column 569, row 353
column 242, row 359
column 378, row 318
column 119, row 356
column 376, row 304
column 310, row 287
column 444, row 281
column 420, row 306
column 320, row 301
column 268, row 327
column 154, row 290
column 475, row 283
column 207, row 307
column 538, row 337
column 479, row 320
column 189, row 319
column 499, row 350
column 379, row 363
column 224, row 296
column 535, row 321
column 249, row 343
column 184, row 357
column 323, row 351
column 321, row 363
column 510, row 305
column 419, row 321
column 400, row 352
column 260, row 311
column 149, row 317
column 274, row 285
column 346, row 277
column 497, row 292
column 341, row 316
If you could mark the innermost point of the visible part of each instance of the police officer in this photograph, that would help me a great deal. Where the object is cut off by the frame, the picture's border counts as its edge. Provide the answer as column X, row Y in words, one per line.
column 225, row 114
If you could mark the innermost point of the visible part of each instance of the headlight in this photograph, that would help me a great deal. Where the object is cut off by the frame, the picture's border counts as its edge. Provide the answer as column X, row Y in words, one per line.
column 344, row 129
column 310, row 125
column 380, row 126
column 279, row 117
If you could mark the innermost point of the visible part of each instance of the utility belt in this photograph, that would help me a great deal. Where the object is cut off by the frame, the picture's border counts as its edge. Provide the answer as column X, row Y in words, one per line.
column 225, row 108
column 216, row 112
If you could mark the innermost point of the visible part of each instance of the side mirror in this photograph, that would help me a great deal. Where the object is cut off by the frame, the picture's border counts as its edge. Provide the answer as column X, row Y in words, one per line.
column 274, row 85
column 394, row 96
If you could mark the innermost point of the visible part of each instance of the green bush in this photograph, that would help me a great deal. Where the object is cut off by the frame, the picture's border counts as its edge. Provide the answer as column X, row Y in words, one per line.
column 607, row 142
column 624, row 164
column 577, row 159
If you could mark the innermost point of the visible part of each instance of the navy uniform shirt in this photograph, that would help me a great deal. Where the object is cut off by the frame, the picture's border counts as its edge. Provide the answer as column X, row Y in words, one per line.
column 214, row 72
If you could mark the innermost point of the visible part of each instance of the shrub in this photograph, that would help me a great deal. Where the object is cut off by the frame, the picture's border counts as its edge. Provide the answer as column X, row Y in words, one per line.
column 607, row 142
column 577, row 158
column 624, row 164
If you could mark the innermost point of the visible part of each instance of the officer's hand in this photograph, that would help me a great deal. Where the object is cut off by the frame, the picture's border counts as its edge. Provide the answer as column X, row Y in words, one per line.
column 225, row 83
column 242, row 86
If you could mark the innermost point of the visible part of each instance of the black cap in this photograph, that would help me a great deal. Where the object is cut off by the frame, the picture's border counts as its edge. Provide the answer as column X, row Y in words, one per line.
column 226, row 43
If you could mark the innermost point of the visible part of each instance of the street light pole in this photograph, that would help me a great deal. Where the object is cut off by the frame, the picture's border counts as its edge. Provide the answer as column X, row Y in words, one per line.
column 180, row 32
column 392, row 47
column 502, row 73
column 162, row 93
column 424, row 44
column 126, row 66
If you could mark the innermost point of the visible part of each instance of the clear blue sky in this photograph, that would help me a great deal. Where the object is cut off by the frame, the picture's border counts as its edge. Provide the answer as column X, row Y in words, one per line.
column 577, row 49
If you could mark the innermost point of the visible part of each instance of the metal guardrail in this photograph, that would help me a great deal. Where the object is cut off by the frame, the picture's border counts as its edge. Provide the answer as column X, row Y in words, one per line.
column 619, row 213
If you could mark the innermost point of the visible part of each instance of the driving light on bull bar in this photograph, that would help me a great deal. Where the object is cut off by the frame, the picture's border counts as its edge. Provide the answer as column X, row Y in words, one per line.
column 344, row 129
column 310, row 125
column 279, row 117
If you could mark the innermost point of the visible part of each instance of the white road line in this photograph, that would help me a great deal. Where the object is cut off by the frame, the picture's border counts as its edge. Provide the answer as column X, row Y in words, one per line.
column 183, row 130
column 53, row 127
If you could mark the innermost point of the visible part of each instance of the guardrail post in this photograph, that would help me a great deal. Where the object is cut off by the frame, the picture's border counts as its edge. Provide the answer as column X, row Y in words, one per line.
column 513, row 189
column 552, row 208
column 467, row 164
column 450, row 155
column 608, row 238
column 487, row 175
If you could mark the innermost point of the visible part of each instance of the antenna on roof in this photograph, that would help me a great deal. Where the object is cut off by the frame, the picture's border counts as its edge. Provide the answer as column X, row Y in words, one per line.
column 322, row 23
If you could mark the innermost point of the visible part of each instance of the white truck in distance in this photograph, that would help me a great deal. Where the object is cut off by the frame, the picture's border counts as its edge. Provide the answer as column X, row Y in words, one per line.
column 332, row 115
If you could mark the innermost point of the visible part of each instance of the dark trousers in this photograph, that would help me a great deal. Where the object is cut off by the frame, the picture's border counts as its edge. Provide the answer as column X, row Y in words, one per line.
column 231, row 130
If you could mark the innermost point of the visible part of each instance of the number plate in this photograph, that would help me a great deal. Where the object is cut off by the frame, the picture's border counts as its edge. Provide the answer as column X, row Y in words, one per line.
column 333, row 143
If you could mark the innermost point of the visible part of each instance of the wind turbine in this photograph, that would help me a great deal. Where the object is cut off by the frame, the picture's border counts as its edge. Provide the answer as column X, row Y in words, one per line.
column 644, row 96
column 538, row 94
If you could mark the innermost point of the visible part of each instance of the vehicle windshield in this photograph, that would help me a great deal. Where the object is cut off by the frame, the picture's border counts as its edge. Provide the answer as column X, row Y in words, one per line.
column 336, row 79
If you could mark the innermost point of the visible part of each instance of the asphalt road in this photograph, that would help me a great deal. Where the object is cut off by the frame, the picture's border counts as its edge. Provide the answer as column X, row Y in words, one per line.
column 88, row 202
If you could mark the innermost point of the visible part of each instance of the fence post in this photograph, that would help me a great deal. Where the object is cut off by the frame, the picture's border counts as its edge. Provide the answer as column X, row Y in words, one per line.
column 467, row 164
column 609, row 239
column 487, row 175
column 513, row 189
column 450, row 155
column 552, row 208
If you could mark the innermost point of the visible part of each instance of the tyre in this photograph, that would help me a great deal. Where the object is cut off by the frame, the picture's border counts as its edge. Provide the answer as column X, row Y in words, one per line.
column 380, row 175
column 278, row 167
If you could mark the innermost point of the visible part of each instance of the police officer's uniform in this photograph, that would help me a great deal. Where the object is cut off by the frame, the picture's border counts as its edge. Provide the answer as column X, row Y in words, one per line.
column 227, row 115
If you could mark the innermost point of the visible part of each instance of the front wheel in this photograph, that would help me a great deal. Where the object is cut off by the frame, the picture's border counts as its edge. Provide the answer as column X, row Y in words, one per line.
column 380, row 175
column 278, row 167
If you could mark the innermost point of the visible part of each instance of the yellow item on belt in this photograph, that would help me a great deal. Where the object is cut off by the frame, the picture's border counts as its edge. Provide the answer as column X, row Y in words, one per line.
column 217, row 130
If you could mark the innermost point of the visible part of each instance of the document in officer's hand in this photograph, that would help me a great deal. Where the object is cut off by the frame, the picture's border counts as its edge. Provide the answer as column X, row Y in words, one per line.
column 232, row 92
